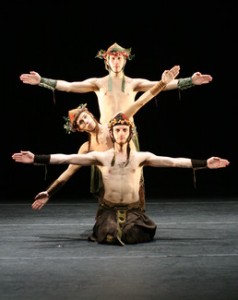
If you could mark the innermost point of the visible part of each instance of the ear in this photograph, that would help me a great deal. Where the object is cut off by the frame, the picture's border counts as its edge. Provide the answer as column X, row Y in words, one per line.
column 111, row 134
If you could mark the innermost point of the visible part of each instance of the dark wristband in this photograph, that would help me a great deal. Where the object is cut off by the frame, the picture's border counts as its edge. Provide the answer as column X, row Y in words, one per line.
column 48, row 83
column 43, row 159
column 55, row 187
column 199, row 163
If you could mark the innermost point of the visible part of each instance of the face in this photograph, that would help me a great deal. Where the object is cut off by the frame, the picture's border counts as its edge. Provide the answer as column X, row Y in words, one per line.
column 85, row 122
column 121, row 133
column 116, row 62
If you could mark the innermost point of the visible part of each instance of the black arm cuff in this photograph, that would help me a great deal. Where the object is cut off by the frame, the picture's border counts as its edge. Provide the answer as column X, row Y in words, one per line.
column 199, row 163
column 43, row 159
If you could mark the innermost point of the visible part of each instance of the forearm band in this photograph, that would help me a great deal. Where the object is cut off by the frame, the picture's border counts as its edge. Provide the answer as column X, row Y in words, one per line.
column 185, row 83
column 48, row 83
column 43, row 159
column 55, row 187
column 199, row 163
column 157, row 88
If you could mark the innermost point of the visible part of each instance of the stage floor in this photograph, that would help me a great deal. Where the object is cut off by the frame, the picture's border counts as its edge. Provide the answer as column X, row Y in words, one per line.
column 46, row 255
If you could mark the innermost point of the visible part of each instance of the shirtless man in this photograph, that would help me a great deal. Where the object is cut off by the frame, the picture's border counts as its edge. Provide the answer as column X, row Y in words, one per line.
column 81, row 120
column 120, row 219
column 116, row 91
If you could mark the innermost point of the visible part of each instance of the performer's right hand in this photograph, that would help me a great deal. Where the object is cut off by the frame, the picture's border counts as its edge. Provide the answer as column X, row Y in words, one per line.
column 40, row 200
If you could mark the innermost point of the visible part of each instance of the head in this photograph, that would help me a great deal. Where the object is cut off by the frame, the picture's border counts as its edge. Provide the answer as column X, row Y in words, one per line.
column 115, row 57
column 120, row 124
column 80, row 119
column 121, row 131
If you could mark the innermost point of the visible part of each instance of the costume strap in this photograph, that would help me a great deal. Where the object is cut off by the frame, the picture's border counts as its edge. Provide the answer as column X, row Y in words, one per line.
column 121, row 219
column 123, row 83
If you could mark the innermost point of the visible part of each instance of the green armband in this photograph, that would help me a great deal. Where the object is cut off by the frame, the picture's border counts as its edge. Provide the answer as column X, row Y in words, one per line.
column 199, row 163
column 185, row 83
column 42, row 159
column 55, row 187
column 48, row 83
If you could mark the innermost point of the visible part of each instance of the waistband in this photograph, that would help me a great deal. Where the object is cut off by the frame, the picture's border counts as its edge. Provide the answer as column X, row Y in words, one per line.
column 120, row 206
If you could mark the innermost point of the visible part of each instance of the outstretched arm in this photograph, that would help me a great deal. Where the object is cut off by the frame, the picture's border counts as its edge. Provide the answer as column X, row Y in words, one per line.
column 88, row 159
column 43, row 197
column 85, row 86
column 184, row 83
column 163, row 161
column 166, row 77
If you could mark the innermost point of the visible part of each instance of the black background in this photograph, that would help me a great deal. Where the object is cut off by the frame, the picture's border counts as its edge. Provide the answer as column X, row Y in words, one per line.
column 59, row 39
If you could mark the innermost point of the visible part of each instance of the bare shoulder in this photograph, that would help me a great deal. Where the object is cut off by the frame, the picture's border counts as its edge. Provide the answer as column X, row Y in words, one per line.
column 83, row 148
column 144, row 155
column 100, row 81
column 102, row 156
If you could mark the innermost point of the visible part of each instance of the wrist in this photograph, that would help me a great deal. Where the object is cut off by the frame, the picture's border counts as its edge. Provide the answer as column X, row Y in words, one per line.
column 185, row 83
column 42, row 159
column 48, row 83
column 55, row 187
column 199, row 163
column 157, row 88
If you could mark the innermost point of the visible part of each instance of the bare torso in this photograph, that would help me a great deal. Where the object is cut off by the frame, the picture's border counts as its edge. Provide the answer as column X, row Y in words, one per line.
column 115, row 101
column 121, row 182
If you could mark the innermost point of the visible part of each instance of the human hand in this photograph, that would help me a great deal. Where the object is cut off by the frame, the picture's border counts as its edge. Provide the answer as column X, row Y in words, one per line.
column 25, row 157
column 32, row 78
column 169, row 75
column 217, row 162
column 40, row 200
column 199, row 78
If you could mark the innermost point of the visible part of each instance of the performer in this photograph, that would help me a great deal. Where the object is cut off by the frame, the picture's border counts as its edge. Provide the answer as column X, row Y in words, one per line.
column 81, row 119
column 115, row 92
column 120, row 219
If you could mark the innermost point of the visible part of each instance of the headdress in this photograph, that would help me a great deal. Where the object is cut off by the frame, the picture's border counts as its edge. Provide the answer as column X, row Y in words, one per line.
column 73, row 114
column 120, row 119
column 115, row 49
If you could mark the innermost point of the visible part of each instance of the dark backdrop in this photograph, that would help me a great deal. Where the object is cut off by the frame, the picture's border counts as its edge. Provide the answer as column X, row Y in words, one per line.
column 59, row 39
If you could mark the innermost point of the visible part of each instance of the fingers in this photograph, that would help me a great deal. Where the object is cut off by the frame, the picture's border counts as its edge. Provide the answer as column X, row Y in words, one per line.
column 37, row 205
column 17, row 157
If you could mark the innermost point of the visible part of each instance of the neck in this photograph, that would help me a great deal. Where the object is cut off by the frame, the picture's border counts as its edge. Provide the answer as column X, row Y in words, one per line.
column 116, row 74
column 120, row 148
column 94, row 131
